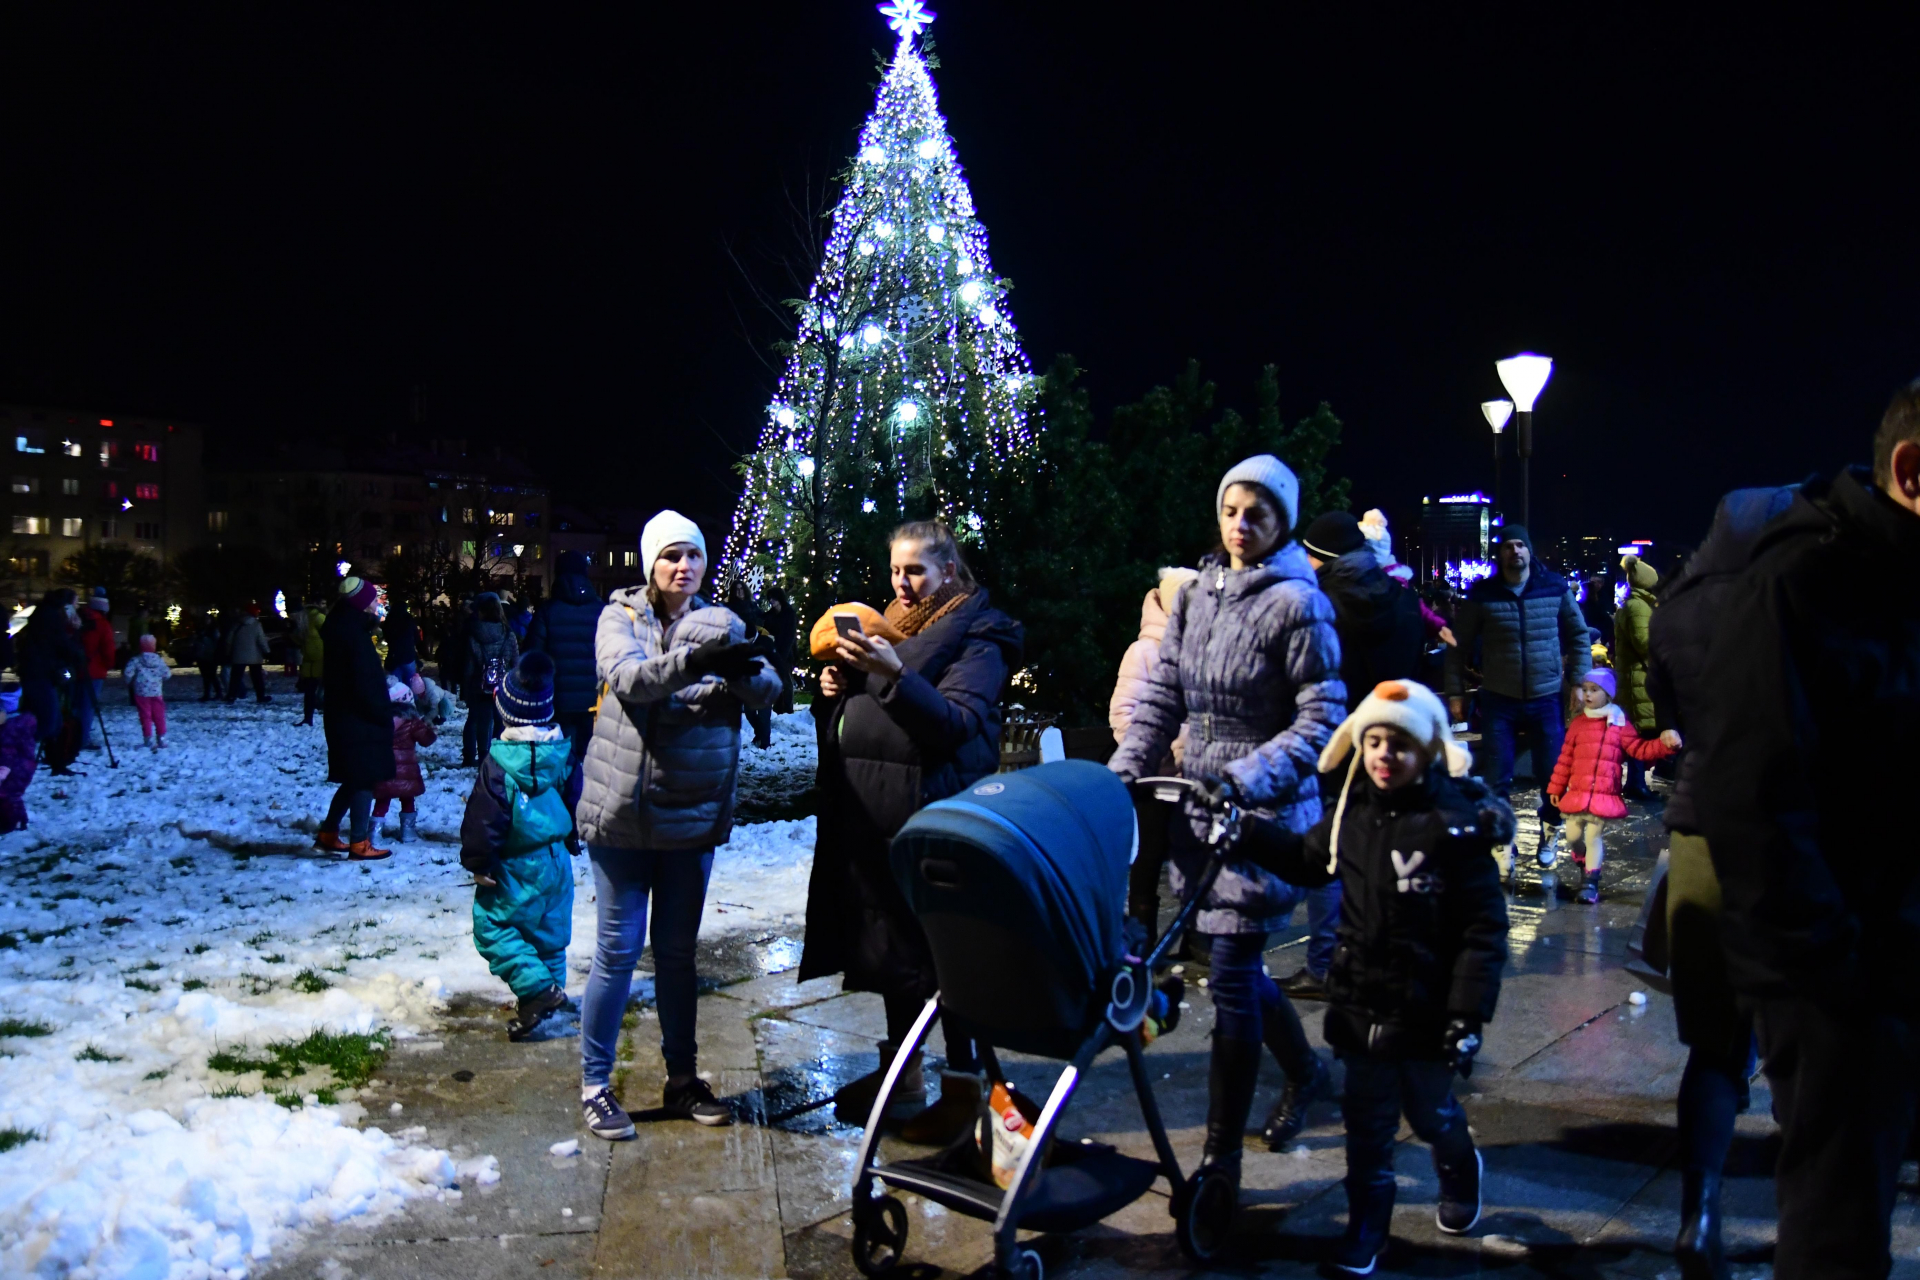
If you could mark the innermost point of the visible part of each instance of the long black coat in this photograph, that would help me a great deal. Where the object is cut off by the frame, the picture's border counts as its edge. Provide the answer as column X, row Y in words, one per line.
column 1378, row 620
column 1813, row 690
column 359, row 716
column 403, row 639
column 1423, row 921
column 886, row 750
column 563, row 628
column 1681, row 632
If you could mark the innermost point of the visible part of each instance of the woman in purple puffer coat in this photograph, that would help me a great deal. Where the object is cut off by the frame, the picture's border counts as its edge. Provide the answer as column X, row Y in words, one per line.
column 1250, row 664
column 17, row 763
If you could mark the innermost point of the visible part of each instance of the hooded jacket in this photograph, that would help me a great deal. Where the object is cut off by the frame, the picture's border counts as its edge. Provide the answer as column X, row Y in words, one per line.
column 1250, row 662
column 359, row 717
column 97, row 638
column 665, row 753
column 247, row 646
column 1586, row 778
column 563, row 628
column 1630, row 624
column 489, row 645
column 1379, row 622
column 1813, row 677
column 522, row 801
column 410, row 732
column 1136, row 664
column 1682, row 628
column 312, row 647
column 1422, row 937
column 887, row 749
column 1533, row 642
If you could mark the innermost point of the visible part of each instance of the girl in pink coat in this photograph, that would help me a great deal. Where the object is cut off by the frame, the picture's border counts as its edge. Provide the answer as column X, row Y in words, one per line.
column 1586, row 781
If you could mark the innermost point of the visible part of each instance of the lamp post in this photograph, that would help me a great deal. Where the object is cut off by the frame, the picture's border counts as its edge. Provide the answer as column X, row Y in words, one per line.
column 1497, row 413
column 1524, row 376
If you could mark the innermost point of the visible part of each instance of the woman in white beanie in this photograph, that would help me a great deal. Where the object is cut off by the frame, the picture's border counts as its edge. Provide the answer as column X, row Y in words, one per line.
column 1250, row 663
column 675, row 673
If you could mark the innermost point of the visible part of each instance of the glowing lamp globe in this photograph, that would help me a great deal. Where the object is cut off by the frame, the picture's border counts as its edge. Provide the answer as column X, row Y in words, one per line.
column 1524, row 376
column 1497, row 411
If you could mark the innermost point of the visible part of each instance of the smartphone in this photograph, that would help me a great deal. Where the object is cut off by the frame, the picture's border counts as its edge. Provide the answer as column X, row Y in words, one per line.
column 848, row 624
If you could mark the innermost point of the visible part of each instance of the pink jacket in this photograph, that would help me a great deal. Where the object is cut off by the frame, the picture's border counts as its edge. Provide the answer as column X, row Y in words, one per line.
column 1587, row 777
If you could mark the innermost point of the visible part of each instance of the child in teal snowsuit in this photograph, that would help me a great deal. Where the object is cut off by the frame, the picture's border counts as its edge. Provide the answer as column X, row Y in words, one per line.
column 514, row 841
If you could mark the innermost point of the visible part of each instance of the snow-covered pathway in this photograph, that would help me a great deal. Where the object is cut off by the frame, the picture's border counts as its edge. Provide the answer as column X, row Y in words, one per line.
column 172, row 911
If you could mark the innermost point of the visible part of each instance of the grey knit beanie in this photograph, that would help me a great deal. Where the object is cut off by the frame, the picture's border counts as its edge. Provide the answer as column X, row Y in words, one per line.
column 1272, row 474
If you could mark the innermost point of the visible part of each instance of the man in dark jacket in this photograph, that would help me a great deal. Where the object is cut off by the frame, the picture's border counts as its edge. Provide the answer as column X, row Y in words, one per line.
column 1813, row 681
column 563, row 629
column 403, row 642
column 359, row 721
column 782, row 623
column 1533, row 648
column 1716, row 1031
column 740, row 600
column 1381, row 635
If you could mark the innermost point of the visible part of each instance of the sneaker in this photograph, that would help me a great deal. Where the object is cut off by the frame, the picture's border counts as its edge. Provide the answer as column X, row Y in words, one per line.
column 1590, row 891
column 691, row 1098
column 605, row 1118
column 1304, row 986
column 1459, row 1209
column 1289, row 1115
column 533, row 1010
column 1549, row 851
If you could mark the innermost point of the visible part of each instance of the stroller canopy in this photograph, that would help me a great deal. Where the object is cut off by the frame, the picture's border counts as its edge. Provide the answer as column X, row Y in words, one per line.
column 1021, row 885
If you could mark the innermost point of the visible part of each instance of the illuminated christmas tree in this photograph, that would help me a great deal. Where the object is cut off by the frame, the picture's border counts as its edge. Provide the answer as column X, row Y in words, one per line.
column 905, row 392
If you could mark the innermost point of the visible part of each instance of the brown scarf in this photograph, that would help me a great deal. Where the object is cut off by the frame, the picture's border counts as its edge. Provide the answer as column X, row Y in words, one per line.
column 912, row 621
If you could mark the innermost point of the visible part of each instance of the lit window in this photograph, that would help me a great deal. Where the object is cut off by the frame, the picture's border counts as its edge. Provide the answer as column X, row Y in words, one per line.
column 147, row 492
column 216, row 522
column 70, row 486
column 113, row 488
column 72, row 448
column 147, row 451
column 631, row 559
column 467, row 549
column 30, row 524
column 504, row 519
column 29, row 443
column 25, row 484
column 109, row 450
column 466, row 515
column 106, row 422
column 70, row 526
column 534, row 551
column 147, row 530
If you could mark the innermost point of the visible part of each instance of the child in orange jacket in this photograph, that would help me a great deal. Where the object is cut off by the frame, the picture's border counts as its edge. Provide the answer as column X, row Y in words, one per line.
column 1586, row 780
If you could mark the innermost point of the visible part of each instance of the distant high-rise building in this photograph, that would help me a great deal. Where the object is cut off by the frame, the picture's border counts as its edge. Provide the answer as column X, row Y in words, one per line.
column 1453, row 528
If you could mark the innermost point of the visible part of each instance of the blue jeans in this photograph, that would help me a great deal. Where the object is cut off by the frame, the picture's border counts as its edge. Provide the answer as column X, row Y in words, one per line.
column 1504, row 719
column 624, row 879
column 1249, row 1005
column 1378, row 1091
column 86, row 693
column 357, row 807
column 1323, row 922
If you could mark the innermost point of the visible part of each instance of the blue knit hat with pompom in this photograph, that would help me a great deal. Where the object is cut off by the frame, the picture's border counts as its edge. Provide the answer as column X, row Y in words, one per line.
column 526, row 695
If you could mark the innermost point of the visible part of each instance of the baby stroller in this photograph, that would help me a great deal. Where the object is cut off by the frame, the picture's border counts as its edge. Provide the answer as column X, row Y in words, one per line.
column 1020, row 885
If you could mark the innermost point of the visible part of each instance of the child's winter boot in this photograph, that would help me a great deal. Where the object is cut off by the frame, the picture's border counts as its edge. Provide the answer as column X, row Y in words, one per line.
column 408, row 830
column 1590, row 891
column 533, row 1010
column 1369, row 1220
column 160, row 742
column 961, row 1093
column 1549, row 851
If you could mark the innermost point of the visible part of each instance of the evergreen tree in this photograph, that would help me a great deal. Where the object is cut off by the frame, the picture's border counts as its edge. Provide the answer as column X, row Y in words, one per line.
column 905, row 391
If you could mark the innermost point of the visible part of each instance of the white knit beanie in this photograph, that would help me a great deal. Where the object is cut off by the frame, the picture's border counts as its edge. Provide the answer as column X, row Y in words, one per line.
column 662, row 532
column 1274, row 475
column 1402, row 704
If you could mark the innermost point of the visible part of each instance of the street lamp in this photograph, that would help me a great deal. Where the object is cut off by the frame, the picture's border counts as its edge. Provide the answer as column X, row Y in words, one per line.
column 1523, row 376
column 1497, row 413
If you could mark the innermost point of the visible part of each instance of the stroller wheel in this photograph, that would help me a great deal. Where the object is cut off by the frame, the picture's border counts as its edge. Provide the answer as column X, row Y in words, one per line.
column 880, row 1237
column 1203, row 1214
column 1026, row 1266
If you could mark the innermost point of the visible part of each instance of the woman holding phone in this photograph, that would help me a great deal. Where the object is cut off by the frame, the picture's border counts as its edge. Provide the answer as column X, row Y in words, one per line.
column 902, row 725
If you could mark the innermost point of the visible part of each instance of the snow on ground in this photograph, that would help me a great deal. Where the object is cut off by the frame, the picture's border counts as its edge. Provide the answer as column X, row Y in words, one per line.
column 160, row 913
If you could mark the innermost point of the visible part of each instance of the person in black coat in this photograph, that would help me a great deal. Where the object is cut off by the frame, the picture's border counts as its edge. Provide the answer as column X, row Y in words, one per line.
column 403, row 642
column 563, row 628
column 740, row 600
column 48, row 659
column 1381, row 638
column 900, row 726
column 1716, row 1031
column 359, row 720
column 1812, row 685
column 1423, row 938
column 782, row 623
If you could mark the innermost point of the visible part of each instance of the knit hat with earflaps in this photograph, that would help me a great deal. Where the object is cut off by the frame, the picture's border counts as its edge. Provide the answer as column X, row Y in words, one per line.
column 526, row 695
column 399, row 690
column 1275, row 477
column 1408, row 706
column 663, row 531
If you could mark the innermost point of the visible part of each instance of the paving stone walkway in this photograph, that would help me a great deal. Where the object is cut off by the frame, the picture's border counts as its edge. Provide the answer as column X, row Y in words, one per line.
column 1572, row 1105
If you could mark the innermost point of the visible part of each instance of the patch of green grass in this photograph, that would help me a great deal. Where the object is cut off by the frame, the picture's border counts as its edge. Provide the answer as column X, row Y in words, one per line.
column 91, row 1054
column 41, row 935
column 351, row 1057
column 66, row 895
column 11, row 1138
column 326, row 1097
column 291, row 1101
column 310, row 982
column 199, row 949
column 231, row 1091
column 275, row 958
column 22, row 1027
column 192, row 984
column 139, row 985
column 260, row 939
column 148, row 967
column 161, row 1074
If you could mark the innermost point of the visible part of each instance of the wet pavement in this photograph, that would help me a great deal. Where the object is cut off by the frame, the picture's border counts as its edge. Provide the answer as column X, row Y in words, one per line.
column 1571, row 1104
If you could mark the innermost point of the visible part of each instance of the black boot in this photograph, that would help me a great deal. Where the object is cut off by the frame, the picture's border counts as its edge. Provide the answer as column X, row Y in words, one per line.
column 1232, row 1075
column 1289, row 1115
column 1369, row 1221
column 1697, row 1248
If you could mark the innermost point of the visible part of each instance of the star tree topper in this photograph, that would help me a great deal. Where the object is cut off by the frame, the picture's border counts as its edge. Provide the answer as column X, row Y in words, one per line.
column 908, row 17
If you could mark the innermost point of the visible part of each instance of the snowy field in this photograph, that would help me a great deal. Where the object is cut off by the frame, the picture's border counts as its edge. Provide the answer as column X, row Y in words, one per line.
column 164, row 923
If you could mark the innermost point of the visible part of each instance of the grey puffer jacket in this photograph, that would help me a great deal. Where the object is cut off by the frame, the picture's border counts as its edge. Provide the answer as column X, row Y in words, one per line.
column 1533, row 642
column 665, row 752
column 1251, row 663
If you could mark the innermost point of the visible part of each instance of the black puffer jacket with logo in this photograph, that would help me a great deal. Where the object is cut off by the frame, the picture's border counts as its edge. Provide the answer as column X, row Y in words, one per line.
column 1423, row 921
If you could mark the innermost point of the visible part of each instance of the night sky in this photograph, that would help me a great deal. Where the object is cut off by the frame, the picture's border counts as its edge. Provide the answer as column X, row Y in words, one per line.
column 278, row 223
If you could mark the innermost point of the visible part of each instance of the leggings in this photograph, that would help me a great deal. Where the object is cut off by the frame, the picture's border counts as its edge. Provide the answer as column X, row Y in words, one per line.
column 360, row 802
column 1249, row 1005
column 153, row 715
column 381, row 806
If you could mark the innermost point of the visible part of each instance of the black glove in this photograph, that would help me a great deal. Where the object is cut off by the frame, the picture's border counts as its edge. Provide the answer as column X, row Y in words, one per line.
column 743, row 659
column 701, row 660
column 1221, row 792
column 1460, row 1043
